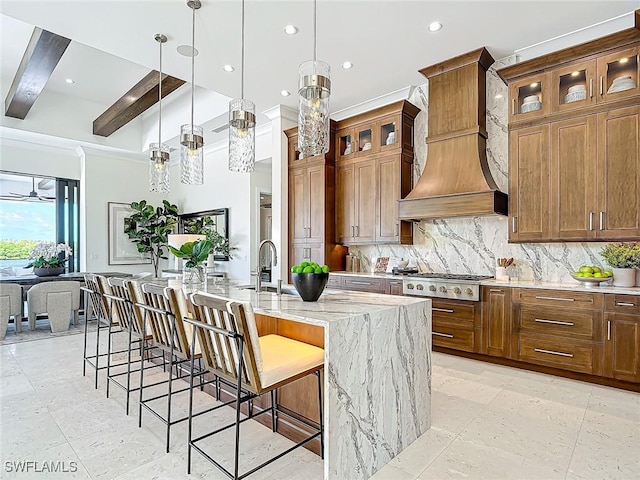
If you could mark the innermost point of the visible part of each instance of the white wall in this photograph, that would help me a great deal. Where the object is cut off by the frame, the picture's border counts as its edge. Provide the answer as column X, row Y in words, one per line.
column 22, row 157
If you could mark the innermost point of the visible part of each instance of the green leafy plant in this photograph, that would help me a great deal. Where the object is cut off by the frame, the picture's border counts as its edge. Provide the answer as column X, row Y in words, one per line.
column 149, row 228
column 622, row 255
column 193, row 252
column 50, row 255
column 206, row 226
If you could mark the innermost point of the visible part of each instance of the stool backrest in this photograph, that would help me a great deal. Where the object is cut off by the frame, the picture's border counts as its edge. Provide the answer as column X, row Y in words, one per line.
column 96, row 287
column 160, row 306
column 127, row 292
column 232, row 322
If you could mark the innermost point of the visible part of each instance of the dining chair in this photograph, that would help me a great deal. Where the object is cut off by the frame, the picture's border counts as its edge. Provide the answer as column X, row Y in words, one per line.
column 232, row 350
column 59, row 300
column 10, row 307
column 162, row 310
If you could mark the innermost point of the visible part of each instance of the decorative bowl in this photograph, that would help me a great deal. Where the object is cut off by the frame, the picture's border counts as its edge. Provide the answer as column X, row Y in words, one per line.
column 622, row 78
column 530, row 107
column 621, row 86
column 310, row 285
column 366, row 146
column 531, row 99
column 577, row 88
column 592, row 282
column 575, row 96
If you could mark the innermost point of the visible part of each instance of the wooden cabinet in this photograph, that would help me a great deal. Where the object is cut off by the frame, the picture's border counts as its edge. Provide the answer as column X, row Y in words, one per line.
column 456, row 324
column 618, row 178
column 496, row 321
column 574, row 163
column 529, row 184
column 395, row 287
column 373, row 172
column 622, row 343
column 312, row 207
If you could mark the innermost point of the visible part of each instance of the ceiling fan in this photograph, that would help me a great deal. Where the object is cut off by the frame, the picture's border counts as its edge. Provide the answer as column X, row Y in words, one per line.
column 33, row 195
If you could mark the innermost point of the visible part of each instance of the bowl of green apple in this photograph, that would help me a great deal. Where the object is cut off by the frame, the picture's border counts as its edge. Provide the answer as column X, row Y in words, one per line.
column 592, row 275
column 309, row 278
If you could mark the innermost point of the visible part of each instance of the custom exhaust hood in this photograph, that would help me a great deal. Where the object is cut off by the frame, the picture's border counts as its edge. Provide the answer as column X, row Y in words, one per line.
column 456, row 181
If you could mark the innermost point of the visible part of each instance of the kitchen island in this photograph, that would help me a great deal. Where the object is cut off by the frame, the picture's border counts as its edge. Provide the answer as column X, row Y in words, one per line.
column 377, row 373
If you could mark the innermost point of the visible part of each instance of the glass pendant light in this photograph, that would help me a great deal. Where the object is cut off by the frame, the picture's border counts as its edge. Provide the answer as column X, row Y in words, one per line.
column 191, row 136
column 314, row 90
column 159, row 152
column 242, row 122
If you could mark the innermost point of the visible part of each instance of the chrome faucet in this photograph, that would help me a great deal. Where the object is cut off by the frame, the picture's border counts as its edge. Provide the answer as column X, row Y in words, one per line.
column 275, row 261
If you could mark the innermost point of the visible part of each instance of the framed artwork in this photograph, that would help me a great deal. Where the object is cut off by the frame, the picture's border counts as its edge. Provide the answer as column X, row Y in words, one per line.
column 122, row 251
column 381, row 265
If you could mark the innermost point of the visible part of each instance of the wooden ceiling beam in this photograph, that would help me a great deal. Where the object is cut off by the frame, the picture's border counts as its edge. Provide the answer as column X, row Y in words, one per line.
column 43, row 53
column 139, row 98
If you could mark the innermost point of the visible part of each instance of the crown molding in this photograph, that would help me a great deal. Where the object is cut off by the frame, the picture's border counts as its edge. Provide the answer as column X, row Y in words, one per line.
column 281, row 111
column 381, row 101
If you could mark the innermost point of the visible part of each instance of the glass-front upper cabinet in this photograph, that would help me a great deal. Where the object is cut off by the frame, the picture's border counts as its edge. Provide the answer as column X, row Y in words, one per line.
column 529, row 97
column 346, row 145
column 389, row 132
column 295, row 155
column 574, row 86
column 618, row 75
column 365, row 143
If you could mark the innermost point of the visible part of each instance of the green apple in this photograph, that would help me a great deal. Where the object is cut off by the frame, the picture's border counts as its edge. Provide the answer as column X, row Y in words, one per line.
column 596, row 269
column 608, row 273
column 586, row 269
column 578, row 274
column 587, row 274
column 598, row 275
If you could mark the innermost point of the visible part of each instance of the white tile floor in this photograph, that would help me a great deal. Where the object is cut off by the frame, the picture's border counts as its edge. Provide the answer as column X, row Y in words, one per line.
column 489, row 422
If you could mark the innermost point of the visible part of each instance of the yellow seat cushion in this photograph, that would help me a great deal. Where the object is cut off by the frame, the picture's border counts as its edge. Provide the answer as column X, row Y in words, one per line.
column 284, row 358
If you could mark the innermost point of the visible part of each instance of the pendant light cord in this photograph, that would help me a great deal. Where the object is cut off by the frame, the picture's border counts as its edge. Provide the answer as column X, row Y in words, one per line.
column 242, row 57
column 193, row 60
column 315, row 32
column 160, row 102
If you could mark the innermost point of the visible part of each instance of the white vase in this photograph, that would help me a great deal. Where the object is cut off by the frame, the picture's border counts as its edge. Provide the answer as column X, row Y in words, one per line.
column 624, row 277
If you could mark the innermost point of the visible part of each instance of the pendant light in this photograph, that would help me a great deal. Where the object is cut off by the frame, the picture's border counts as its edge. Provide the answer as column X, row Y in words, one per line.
column 191, row 136
column 159, row 152
column 314, row 89
column 242, row 122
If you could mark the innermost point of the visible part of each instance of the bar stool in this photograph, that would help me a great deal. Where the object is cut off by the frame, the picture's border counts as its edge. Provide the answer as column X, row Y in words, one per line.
column 232, row 350
column 162, row 309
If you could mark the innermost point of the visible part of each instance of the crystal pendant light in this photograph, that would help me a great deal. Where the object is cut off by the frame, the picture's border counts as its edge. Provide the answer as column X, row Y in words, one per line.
column 314, row 89
column 159, row 152
column 242, row 122
column 191, row 136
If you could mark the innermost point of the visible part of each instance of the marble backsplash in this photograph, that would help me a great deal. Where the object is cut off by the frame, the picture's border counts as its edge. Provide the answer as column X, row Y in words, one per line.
column 472, row 244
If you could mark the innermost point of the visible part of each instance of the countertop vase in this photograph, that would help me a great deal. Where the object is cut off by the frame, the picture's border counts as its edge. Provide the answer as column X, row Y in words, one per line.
column 48, row 272
column 624, row 277
column 191, row 275
column 310, row 285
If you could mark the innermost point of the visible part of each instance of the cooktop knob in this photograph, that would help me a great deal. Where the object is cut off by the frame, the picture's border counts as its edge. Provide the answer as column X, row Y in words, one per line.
column 419, row 287
column 443, row 289
column 432, row 288
column 456, row 290
column 468, row 291
column 410, row 286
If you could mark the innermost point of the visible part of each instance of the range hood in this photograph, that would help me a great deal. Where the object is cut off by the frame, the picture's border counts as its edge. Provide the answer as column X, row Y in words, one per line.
column 456, row 181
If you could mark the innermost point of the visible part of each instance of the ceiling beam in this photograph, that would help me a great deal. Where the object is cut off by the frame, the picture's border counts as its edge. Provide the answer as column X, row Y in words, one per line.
column 142, row 95
column 43, row 53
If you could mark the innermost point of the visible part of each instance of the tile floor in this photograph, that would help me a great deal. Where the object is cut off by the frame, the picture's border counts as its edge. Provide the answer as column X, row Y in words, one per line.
column 489, row 422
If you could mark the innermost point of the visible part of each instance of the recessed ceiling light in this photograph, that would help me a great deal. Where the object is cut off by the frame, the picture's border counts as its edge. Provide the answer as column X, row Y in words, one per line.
column 70, row 81
column 347, row 65
column 228, row 68
column 435, row 26
column 285, row 93
column 290, row 29
column 187, row 51
column 498, row 96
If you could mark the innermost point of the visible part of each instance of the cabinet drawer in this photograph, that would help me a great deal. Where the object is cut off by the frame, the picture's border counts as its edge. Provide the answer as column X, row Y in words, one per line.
column 364, row 284
column 629, row 304
column 450, row 336
column 560, row 353
column 586, row 324
column 335, row 281
column 456, row 313
column 557, row 298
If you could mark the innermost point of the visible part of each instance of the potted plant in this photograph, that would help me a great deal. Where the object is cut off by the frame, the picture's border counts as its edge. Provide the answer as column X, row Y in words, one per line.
column 622, row 258
column 195, row 254
column 206, row 226
column 49, row 258
column 149, row 227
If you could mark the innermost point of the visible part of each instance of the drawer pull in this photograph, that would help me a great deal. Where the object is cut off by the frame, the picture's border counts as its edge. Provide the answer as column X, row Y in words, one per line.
column 353, row 282
column 438, row 334
column 608, row 329
column 554, row 322
column 625, row 304
column 551, row 352
column 445, row 310
column 560, row 299
column 495, row 290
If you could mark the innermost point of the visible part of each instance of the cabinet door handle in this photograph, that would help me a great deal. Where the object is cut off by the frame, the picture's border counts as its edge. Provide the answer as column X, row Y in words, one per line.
column 357, row 230
column 590, row 221
column 601, row 220
column 608, row 329
column 353, row 231
column 513, row 106
column 438, row 334
column 625, row 304
column 560, row 299
column 554, row 322
column 445, row 310
column 551, row 352
column 591, row 88
column 514, row 224
column 309, row 234
column 601, row 84
column 396, row 230
column 353, row 282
